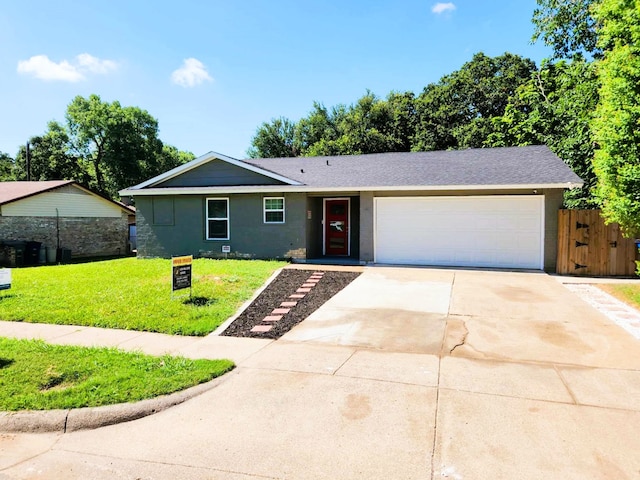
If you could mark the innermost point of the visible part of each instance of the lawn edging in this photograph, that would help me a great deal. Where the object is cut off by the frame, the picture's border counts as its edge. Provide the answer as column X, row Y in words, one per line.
column 246, row 304
column 73, row 419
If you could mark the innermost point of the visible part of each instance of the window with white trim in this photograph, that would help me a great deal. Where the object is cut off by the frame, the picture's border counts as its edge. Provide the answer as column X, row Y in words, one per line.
column 273, row 209
column 217, row 219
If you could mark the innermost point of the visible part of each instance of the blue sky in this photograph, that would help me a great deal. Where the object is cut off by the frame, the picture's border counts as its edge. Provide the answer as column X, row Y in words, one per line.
column 212, row 71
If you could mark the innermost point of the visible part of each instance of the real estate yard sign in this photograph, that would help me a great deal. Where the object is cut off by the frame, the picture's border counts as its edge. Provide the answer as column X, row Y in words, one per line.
column 5, row 278
column 181, row 269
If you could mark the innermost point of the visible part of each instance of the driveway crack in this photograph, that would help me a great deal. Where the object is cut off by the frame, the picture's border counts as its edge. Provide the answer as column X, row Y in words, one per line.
column 464, row 338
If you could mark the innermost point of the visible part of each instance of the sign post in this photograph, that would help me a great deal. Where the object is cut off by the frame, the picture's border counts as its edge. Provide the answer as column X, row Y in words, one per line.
column 181, row 273
column 5, row 278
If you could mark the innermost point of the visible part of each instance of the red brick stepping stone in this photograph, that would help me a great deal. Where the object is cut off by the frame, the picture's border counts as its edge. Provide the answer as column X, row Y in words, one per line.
column 318, row 273
column 280, row 311
column 261, row 328
column 303, row 290
column 308, row 285
column 288, row 304
column 312, row 280
column 272, row 318
column 297, row 295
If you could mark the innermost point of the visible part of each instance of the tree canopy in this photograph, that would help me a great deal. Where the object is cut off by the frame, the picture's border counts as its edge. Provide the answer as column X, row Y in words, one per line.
column 6, row 167
column 490, row 101
column 102, row 145
column 568, row 26
column 617, row 120
column 455, row 112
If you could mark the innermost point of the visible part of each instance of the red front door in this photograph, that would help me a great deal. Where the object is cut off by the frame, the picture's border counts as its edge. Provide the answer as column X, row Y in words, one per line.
column 336, row 227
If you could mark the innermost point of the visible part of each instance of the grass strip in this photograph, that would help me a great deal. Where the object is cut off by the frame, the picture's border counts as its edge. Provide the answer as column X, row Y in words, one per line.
column 35, row 375
column 628, row 293
column 133, row 294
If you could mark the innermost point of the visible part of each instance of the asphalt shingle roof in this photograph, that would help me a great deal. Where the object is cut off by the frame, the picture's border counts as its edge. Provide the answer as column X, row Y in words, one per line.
column 11, row 191
column 532, row 165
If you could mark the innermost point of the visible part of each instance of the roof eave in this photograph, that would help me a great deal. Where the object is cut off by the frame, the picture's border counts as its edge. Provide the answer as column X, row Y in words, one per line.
column 44, row 190
column 308, row 189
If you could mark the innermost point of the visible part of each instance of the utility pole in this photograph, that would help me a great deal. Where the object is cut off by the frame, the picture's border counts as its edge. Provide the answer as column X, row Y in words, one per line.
column 28, row 159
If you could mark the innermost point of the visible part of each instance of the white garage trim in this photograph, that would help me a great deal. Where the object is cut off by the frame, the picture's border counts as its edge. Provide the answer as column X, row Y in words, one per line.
column 505, row 231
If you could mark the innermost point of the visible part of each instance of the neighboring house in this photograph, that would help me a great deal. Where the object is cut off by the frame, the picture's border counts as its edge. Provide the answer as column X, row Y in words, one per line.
column 62, row 214
column 480, row 207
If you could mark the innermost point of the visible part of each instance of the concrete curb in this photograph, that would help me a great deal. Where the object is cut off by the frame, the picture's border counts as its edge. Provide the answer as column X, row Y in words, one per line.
column 69, row 420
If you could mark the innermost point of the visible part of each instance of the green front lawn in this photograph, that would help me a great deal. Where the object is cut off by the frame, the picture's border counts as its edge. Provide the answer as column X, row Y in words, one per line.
column 629, row 293
column 38, row 376
column 133, row 294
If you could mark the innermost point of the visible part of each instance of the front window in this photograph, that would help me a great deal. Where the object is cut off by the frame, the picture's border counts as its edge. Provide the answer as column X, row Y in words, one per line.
column 217, row 219
column 274, row 210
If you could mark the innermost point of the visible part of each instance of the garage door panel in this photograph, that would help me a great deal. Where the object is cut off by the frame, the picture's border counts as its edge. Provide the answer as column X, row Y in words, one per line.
column 490, row 231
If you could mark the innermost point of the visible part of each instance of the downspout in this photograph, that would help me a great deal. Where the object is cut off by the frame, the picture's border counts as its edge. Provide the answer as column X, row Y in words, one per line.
column 57, row 230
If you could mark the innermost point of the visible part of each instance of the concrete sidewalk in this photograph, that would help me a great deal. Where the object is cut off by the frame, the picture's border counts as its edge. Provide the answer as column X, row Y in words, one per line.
column 211, row 346
column 407, row 373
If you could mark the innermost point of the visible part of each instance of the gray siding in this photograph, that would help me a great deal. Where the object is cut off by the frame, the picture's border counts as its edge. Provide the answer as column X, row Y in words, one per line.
column 366, row 226
column 553, row 200
column 249, row 237
column 300, row 237
column 218, row 173
column 314, row 227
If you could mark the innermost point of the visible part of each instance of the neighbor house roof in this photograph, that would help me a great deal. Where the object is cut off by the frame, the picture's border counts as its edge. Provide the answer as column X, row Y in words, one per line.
column 484, row 168
column 14, row 191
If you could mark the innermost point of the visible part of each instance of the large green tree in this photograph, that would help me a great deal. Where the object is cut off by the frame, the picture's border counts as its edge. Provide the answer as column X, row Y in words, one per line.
column 275, row 139
column 456, row 112
column 51, row 158
column 121, row 143
column 617, row 123
column 102, row 145
column 568, row 26
column 6, row 167
column 555, row 107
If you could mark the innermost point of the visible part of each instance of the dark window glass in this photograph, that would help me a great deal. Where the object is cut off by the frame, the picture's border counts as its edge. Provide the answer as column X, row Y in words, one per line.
column 218, row 229
column 337, row 209
column 217, row 208
column 275, row 217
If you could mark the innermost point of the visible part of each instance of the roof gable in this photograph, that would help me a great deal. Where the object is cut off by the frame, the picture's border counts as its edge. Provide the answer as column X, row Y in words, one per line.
column 232, row 170
column 11, row 192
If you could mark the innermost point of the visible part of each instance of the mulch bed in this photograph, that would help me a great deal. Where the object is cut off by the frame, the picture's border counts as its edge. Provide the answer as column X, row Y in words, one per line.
column 278, row 291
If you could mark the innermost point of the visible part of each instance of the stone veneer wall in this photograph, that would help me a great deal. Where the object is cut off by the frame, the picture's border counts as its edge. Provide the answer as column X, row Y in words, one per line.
column 84, row 236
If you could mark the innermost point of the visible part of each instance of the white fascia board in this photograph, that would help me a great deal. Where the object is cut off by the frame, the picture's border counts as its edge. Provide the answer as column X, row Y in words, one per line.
column 307, row 189
column 207, row 157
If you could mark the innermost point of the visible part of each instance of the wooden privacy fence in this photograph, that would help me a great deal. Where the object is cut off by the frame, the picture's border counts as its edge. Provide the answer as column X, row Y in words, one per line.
column 586, row 246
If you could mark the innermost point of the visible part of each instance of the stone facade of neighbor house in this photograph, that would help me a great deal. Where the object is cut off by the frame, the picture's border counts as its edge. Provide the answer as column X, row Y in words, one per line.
column 63, row 214
column 84, row 236
column 493, row 207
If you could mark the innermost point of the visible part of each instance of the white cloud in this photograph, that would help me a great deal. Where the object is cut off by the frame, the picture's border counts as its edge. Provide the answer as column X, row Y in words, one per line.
column 95, row 65
column 439, row 8
column 191, row 73
column 40, row 66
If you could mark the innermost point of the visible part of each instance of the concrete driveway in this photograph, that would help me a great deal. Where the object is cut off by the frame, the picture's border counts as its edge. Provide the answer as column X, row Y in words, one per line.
column 408, row 374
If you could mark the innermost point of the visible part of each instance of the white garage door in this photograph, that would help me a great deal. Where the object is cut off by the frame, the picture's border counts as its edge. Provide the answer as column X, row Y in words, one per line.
column 481, row 231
